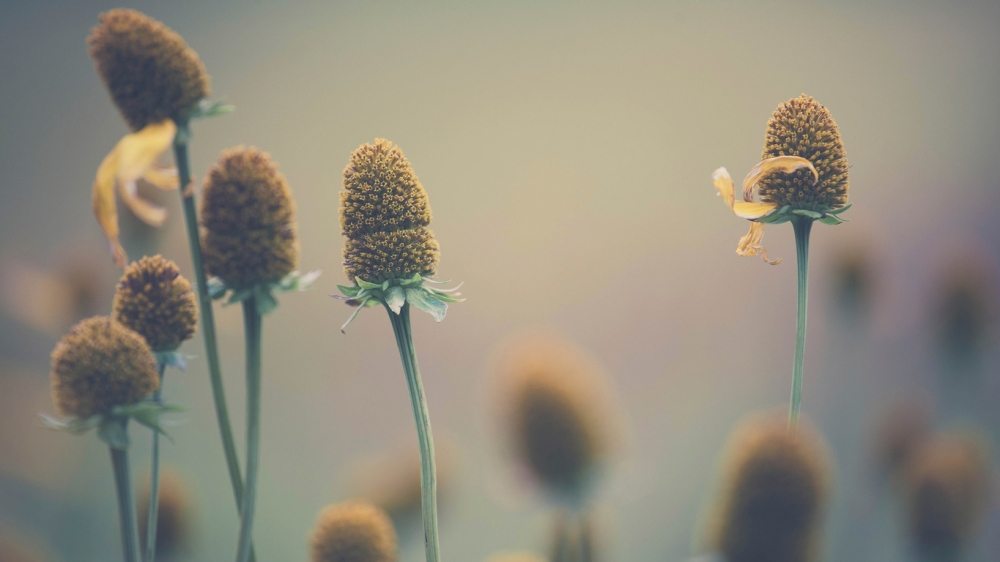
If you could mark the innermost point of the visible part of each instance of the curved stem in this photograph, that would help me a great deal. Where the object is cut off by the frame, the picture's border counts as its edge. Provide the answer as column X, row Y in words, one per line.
column 428, row 471
column 801, row 226
column 252, row 333
column 126, row 501
column 207, row 317
column 154, row 479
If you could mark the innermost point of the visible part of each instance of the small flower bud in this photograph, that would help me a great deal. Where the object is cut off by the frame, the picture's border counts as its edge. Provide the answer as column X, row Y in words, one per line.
column 154, row 300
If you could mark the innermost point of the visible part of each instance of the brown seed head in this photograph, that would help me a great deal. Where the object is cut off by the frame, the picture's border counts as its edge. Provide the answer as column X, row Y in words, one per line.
column 803, row 127
column 101, row 364
column 353, row 532
column 384, row 213
column 149, row 70
column 774, row 493
column 154, row 300
column 248, row 214
column 173, row 519
column 948, row 484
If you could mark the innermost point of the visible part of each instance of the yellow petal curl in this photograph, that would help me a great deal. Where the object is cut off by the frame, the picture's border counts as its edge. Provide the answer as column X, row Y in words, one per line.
column 750, row 244
column 132, row 159
column 786, row 164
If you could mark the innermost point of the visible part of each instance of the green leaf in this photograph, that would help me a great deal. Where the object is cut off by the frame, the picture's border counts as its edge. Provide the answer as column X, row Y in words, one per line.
column 206, row 109
column 112, row 431
column 363, row 304
column 75, row 426
column 216, row 288
column 840, row 210
column 366, row 285
column 415, row 280
column 349, row 291
column 832, row 219
column 173, row 359
column 436, row 282
column 785, row 209
column 264, row 298
column 239, row 296
column 395, row 298
column 427, row 302
column 446, row 297
column 805, row 213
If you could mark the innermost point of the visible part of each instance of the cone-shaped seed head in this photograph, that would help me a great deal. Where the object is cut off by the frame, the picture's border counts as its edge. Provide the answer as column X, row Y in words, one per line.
column 948, row 485
column 173, row 519
column 249, row 215
column 154, row 300
column 802, row 127
column 353, row 532
column 384, row 213
column 774, row 493
column 149, row 70
column 100, row 364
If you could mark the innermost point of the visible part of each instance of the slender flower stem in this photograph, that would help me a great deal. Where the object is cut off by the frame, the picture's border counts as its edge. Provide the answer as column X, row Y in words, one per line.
column 126, row 501
column 252, row 333
column 154, row 479
column 428, row 471
column 207, row 317
column 801, row 226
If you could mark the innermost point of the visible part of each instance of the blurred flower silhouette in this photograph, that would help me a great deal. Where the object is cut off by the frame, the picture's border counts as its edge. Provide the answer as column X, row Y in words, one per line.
column 353, row 532
column 966, row 311
column 174, row 517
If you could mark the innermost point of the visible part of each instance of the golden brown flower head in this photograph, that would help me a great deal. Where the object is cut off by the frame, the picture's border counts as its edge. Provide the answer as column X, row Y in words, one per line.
column 353, row 532
column 802, row 127
column 154, row 300
column 173, row 519
column 150, row 71
column 384, row 213
column 948, row 485
column 774, row 492
column 248, row 214
column 101, row 364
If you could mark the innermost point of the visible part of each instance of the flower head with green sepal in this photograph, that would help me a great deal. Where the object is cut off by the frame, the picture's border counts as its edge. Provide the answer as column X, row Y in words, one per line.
column 390, row 254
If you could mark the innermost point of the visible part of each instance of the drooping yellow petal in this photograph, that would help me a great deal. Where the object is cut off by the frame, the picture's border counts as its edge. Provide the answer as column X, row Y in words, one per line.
column 750, row 244
column 163, row 177
column 786, row 164
column 752, row 211
column 724, row 184
column 132, row 158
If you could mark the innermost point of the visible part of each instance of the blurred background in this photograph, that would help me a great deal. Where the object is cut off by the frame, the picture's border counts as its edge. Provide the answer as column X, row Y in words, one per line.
column 567, row 149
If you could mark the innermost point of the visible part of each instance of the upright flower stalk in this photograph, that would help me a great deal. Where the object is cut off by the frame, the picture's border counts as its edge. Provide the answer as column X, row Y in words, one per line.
column 802, row 178
column 390, row 255
column 252, row 250
column 159, row 85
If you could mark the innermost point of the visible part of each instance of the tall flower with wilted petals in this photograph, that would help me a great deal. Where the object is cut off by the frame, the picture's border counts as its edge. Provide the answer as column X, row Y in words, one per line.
column 155, row 79
column 390, row 255
column 802, row 178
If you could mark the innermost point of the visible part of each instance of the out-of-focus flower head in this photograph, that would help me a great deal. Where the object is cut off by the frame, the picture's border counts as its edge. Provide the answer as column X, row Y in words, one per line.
column 353, row 532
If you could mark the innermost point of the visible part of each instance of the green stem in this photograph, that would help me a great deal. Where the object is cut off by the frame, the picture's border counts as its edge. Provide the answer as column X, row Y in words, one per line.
column 252, row 332
column 428, row 471
column 154, row 480
column 207, row 318
column 801, row 226
column 126, row 500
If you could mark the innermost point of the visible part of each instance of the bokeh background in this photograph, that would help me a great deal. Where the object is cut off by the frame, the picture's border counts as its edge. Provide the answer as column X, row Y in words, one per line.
column 567, row 149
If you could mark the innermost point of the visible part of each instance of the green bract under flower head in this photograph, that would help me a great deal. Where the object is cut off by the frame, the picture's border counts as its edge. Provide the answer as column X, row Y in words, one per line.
column 149, row 70
column 804, row 128
column 154, row 300
column 248, row 214
column 101, row 364
column 353, row 532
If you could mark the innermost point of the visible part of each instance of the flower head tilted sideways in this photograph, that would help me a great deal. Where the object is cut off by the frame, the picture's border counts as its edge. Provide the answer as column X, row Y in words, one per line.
column 157, row 82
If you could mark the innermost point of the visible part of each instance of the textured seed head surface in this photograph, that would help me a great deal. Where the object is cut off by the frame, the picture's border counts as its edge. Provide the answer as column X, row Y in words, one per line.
column 154, row 300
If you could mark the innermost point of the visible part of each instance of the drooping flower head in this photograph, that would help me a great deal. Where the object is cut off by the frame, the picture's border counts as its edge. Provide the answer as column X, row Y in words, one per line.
column 101, row 364
column 154, row 300
column 774, row 492
column 353, row 532
column 802, row 174
column 149, row 70
column 174, row 515
column 948, row 487
column 249, row 218
column 384, row 213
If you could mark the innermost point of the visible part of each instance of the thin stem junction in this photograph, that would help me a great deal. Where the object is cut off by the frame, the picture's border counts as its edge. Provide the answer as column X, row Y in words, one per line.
column 801, row 226
column 252, row 333
column 126, row 500
column 428, row 471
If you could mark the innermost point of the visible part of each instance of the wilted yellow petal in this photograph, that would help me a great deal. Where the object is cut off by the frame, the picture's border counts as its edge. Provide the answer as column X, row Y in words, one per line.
column 163, row 177
column 752, row 211
column 786, row 164
column 750, row 244
column 724, row 183
column 149, row 213
column 139, row 151
column 103, row 200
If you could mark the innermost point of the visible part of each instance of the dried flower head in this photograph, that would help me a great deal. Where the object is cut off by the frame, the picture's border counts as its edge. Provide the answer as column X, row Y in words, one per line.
column 557, row 412
column 948, row 485
column 154, row 300
column 173, row 519
column 101, row 364
column 249, row 215
column 802, row 127
column 775, row 489
column 384, row 213
column 353, row 532
column 149, row 70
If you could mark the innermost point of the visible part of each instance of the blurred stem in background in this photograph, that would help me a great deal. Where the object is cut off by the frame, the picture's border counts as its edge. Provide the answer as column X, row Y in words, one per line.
column 207, row 317
column 252, row 333
column 154, row 477
column 126, row 498
column 802, row 226
column 428, row 470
